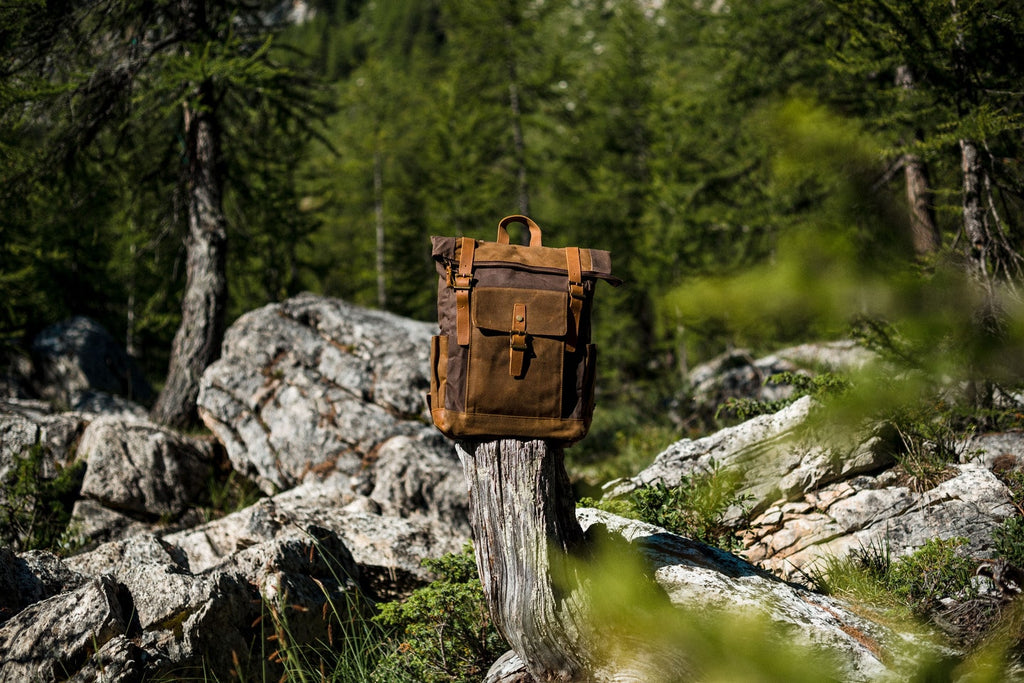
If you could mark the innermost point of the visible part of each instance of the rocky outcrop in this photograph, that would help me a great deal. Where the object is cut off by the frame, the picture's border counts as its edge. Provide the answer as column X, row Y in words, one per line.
column 314, row 385
column 320, row 403
column 142, row 469
column 796, row 538
column 810, row 498
column 738, row 374
column 716, row 590
column 136, row 606
column 775, row 455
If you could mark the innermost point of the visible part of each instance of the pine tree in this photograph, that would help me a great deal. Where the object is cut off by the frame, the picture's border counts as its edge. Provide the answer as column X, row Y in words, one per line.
column 161, row 90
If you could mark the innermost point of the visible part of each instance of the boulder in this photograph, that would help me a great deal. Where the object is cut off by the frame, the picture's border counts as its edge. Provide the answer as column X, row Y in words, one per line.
column 388, row 549
column 314, row 385
column 715, row 589
column 78, row 356
column 809, row 498
column 737, row 374
column 30, row 577
column 27, row 424
column 139, row 607
column 37, row 446
column 52, row 639
column 143, row 470
column 776, row 456
column 795, row 539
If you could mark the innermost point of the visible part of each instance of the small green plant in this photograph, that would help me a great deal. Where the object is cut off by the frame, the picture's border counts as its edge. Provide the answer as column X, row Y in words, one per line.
column 35, row 509
column 697, row 507
column 927, row 444
column 936, row 570
column 229, row 493
column 441, row 632
column 1009, row 541
column 1009, row 536
column 918, row 581
column 820, row 386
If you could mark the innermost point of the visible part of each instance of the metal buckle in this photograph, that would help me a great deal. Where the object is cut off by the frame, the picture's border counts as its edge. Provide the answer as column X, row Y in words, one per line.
column 517, row 341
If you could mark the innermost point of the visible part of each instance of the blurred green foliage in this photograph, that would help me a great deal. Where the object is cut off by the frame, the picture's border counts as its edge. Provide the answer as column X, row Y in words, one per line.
column 743, row 162
column 441, row 632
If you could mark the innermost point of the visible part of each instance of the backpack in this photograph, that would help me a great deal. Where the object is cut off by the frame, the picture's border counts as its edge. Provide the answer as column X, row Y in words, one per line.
column 513, row 357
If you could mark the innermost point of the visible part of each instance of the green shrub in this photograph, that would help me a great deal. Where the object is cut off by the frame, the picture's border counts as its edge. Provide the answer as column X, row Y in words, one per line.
column 696, row 508
column 820, row 386
column 1009, row 541
column 1009, row 536
column 441, row 632
column 927, row 443
column 35, row 510
column 934, row 571
column 918, row 581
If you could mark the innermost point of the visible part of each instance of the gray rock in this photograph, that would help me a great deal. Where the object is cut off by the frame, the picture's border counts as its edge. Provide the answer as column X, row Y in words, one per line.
column 1002, row 451
column 92, row 404
column 118, row 661
column 26, row 424
column 705, row 581
column 775, row 455
column 139, row 468
column 77, row 356
column 737, row 374
column 420, row 475
column 27, row 578
column 387, row 549
column 155, row 573
column 50, row 640
column 40, row 444
column 313, row 385
column 878, row 514
column 92, row 524
column 811, row 499
column 299, row 582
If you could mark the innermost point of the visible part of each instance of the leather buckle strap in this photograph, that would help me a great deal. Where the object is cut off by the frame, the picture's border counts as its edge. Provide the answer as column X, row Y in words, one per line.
column 462, row 283
column 517, row 341
column 574, row 268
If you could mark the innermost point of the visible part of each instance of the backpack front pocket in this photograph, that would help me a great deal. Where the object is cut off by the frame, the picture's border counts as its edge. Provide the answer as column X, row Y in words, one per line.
column 516, row 354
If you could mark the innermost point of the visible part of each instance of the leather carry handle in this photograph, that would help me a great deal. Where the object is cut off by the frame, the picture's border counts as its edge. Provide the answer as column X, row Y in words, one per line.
column 534, row 229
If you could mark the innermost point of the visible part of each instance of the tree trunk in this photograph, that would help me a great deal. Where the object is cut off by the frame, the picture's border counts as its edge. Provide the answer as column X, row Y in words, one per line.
column 525, row 532
column 974, row 213
column 536, row 568
column 197, row 341
column 516, row 116
column 923, row 233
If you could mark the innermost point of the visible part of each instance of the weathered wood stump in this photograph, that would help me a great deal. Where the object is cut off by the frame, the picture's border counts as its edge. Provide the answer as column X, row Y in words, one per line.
column 532, row 556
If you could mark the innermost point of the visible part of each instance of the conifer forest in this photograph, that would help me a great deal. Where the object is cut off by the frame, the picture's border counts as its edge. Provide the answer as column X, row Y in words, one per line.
column 764, row 172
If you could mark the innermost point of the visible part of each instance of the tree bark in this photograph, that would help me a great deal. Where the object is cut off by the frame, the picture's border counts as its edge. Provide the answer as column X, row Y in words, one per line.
column 525, row 534
column 536, row 566
column 516, row 116
column 974, row 213
column 924, row 234
column 197, row 342
column 378, row 218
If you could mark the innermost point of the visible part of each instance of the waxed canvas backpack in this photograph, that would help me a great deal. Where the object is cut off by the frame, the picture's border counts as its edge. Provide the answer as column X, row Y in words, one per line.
column 513, row 357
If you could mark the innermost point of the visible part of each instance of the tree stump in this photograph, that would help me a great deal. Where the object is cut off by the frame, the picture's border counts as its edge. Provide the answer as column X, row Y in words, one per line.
column 533, row 558
column 525, row 528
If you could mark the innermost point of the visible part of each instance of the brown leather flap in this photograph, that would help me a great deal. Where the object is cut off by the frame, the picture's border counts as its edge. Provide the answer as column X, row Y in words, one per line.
column 544, row 312
column 596, row 264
